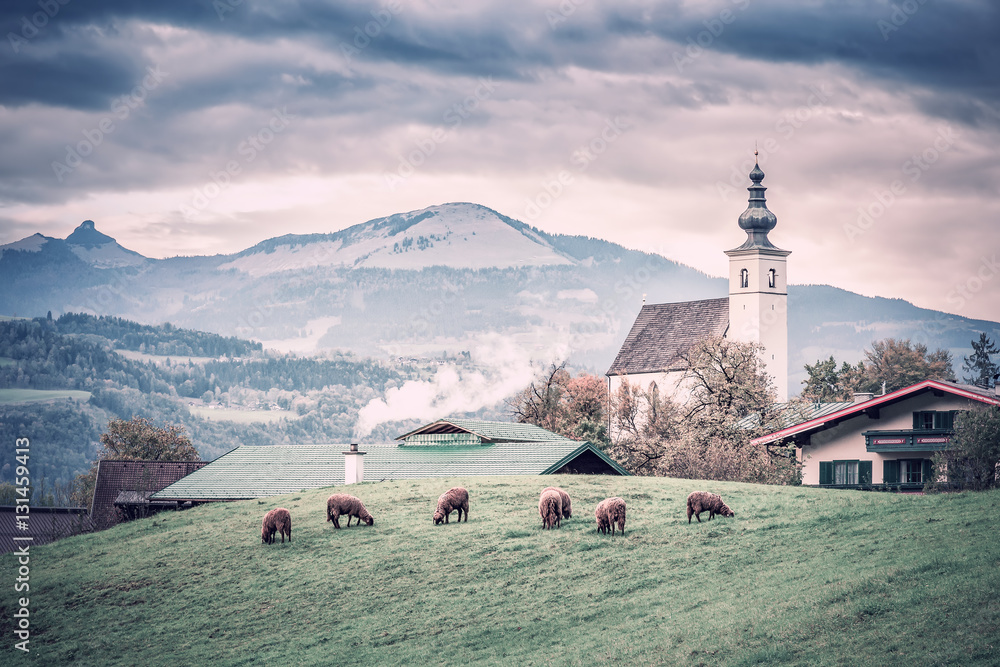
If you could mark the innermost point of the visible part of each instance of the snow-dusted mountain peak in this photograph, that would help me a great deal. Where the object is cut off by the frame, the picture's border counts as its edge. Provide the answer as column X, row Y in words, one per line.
column 455, row 235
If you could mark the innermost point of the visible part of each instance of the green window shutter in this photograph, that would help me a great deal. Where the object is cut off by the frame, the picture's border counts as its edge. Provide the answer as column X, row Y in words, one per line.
column 864, row 472
column 890, row 472
column 826, row 472
column 916, row 420
column 925, row 470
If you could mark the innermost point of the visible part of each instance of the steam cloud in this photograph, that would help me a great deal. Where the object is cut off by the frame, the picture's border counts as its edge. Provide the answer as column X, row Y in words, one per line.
column 503, row 368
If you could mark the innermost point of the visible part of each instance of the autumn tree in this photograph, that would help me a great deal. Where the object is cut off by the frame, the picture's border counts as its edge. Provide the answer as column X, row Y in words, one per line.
column 979, row 364
column 134, row 439
column 726, row 399
column 644, row 423
column 574, row 407
column 891, row 362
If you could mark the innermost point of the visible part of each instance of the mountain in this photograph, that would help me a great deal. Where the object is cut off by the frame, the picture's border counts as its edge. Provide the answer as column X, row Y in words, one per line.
column 425, row 282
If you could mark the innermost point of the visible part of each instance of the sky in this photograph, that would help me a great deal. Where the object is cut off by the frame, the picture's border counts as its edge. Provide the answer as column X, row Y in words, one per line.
column 190, row 128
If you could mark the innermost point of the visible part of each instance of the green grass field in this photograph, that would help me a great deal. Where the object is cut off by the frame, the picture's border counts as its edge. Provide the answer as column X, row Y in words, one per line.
column 242, row 416
column 9, row 396
column 798, row 577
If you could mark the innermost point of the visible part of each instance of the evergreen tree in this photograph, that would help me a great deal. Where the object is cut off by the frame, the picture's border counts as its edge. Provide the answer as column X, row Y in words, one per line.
column 979, row 364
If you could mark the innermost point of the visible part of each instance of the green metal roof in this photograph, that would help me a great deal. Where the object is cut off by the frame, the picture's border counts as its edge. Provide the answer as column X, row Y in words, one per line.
column 258, row 471
column 487, row 430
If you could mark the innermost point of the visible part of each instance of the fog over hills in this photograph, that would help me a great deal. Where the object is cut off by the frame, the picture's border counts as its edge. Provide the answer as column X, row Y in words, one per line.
column 450, row 278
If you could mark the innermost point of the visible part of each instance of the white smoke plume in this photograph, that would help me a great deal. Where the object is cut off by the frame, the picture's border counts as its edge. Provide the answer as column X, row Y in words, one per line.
column 502, row 368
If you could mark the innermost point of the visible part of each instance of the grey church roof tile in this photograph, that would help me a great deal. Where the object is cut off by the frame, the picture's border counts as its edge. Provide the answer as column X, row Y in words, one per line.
column 664, row 331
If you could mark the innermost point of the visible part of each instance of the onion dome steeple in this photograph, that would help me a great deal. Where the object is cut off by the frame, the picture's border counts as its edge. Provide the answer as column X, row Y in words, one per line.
column 757, row 220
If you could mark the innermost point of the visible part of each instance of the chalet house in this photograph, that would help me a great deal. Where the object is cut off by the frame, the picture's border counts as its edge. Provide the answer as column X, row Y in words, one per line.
column 756, row 310
column 885, row 440
column 445, row 448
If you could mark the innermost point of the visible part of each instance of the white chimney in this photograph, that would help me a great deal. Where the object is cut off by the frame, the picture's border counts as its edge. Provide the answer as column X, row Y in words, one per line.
column 862, row 396
column 354, row 465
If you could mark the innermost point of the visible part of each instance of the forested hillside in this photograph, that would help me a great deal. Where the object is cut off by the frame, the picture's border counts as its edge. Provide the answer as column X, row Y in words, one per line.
column 241, row 395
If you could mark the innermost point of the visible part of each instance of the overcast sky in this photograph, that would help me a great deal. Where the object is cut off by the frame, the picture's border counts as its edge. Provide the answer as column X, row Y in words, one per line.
column 205, row 127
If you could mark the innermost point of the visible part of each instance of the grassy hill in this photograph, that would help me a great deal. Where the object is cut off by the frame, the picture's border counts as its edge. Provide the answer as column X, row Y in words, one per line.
column 799, row 576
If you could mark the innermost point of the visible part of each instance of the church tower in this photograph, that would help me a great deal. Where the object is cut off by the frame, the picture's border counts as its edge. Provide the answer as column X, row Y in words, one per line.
column 758, row 287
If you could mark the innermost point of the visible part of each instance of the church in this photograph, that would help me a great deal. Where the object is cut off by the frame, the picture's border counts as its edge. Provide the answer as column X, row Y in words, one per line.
column 756, row 310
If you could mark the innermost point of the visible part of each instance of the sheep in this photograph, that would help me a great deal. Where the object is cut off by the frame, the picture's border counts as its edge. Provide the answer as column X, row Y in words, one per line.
column 344, row 504
column 609, row 512
column 566, row 508
column 550, row 507
column 277, row 520
column 703, row 501
column 455, row 498
column 267, row 528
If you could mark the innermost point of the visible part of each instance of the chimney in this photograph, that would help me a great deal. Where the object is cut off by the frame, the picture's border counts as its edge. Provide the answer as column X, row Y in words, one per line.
column 862, row 396
column 354, row 465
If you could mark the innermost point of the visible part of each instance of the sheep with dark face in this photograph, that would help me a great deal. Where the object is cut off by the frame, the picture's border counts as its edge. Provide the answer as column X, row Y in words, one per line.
column 566, row 504
column 703, row 501
column 550, row 507
column 609, row 512
column 453, row 499
column 278, row 520
column 343, row 504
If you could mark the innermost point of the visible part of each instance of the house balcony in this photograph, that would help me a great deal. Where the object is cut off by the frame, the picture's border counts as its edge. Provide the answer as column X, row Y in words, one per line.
column 908, row 440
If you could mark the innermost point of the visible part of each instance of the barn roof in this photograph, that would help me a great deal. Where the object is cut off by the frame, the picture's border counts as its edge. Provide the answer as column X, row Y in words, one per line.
column 143, row 477
column 487, row 431
column 252, row 471
column 662, row 332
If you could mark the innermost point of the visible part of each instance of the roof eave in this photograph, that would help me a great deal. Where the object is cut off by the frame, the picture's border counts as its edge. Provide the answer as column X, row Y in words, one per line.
column 580, row 450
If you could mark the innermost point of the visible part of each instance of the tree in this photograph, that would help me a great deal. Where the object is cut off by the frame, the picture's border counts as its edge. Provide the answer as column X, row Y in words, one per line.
column 900, row 363
column 137, row 439
column 890, row 363
column 645, row 422
column 972, row 460
column 573, row 407
column 707, row 436
column 979, row 363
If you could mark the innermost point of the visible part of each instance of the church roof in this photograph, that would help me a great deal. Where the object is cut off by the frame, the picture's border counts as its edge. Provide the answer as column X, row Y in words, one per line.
column 664, row 331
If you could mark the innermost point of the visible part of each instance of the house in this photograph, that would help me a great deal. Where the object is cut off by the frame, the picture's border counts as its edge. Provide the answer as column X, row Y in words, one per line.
column 122, row 489
column 756, row 310
column 445, row 448
column 888, row 439
column 40, row 525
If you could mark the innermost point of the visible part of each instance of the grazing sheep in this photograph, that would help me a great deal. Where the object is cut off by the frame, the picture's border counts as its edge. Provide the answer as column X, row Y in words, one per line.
column 267, row 528
column 609, row 512
column 550, row 507
column 566, row 508
column 703, row 501
column 455, row 498
column 282, row 523
column 347, row 505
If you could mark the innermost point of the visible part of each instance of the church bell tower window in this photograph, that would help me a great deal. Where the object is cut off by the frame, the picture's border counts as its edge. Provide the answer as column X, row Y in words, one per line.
column 771, row 278
column 744, row 278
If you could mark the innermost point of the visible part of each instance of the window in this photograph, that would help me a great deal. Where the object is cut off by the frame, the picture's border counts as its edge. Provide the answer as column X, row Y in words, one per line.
column 930, row 419
column 771, row 278
column 744, row 278
column 910, row 471
column 845, row 473
column 906, row 471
